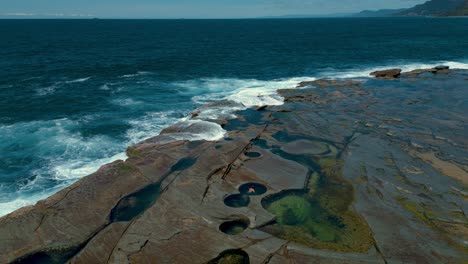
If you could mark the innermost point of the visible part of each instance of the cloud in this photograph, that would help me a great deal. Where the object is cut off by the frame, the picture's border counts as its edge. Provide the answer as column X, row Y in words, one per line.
column 18, row 14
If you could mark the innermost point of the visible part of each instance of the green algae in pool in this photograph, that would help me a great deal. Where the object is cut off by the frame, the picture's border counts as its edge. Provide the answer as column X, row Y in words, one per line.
column 136, row 203
column 297, row 214
column 231, row 256
column 237, row 200
column 233, row 227
column 291, row 210
column 320, row 216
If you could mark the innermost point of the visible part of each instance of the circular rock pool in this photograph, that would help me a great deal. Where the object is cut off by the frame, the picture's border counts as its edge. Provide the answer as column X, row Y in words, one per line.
column 233, row 227
column 237, row 200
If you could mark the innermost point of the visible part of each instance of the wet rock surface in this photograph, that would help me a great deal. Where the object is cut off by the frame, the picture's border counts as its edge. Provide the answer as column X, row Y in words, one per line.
column 436, row 70
column 368, row 171
column 392, row 73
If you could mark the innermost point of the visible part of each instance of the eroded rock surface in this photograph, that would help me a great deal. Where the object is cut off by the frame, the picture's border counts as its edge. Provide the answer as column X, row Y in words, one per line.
column 392, row 73
column 369, row 171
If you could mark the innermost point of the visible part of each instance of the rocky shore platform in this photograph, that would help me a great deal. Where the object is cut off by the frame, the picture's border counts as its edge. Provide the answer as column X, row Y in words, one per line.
column 371, row 170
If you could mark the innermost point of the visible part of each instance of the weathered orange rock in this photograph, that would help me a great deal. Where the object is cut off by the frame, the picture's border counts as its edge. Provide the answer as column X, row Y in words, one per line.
column 391, row 73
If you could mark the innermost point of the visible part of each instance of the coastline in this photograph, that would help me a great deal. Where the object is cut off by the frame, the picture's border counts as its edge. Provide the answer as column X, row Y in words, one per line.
column 88, row 154
column 197, row 175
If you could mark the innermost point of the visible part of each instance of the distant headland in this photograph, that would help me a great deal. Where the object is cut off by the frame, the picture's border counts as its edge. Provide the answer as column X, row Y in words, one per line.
column 433, row 8
column 442, row 8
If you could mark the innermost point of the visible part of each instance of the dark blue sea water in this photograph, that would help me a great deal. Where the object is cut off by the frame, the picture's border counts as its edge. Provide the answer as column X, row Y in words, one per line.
column 75, row 93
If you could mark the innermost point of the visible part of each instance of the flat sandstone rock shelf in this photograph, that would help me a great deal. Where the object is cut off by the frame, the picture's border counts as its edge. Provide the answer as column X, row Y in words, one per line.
column 346, row 171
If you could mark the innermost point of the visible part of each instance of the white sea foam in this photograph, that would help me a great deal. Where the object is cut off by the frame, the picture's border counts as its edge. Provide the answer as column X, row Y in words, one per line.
column 364, row 72
column 60, row 155
column 126, row 102
column 265, row 92
column 196, row 130
column 29, row 194
column 456, row 65
column 256, row 96
column 75, row 169
column 21, row 201
column 244, row 92
column 53, row 88
column 135, row 74
column 31, row 78
column 223, row 109
column 46, row 90
column 151, row 124
column 104, row 87
column 249, row 92
column 79, row 80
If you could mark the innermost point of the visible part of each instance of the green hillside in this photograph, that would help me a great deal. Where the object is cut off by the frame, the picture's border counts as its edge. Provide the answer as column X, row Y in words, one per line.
column 461, row 10
column 429, row 8
column 433, row 8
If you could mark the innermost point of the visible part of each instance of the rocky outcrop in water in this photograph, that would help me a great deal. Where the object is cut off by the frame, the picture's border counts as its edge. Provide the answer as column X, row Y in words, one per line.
column 396, row 73
column 392, row 73
column 343, row 172
column 436, row 70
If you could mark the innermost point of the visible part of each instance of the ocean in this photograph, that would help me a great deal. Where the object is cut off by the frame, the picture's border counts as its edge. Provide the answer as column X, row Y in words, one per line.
column 75, row 93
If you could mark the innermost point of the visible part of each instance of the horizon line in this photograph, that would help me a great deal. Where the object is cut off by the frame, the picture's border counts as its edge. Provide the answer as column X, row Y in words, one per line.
column 207, row 18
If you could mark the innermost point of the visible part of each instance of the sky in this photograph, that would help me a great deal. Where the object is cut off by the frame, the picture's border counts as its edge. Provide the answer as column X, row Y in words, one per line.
column 190, row 8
